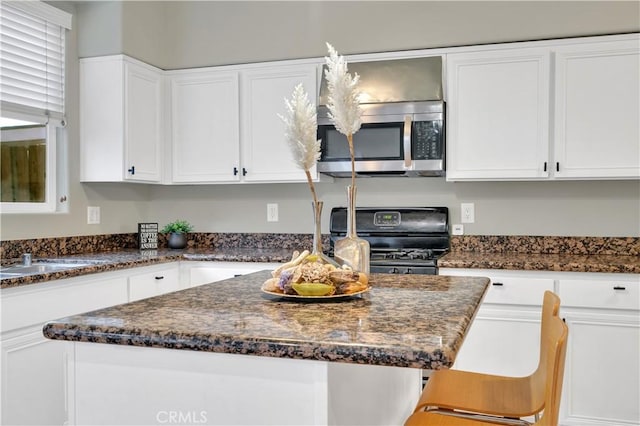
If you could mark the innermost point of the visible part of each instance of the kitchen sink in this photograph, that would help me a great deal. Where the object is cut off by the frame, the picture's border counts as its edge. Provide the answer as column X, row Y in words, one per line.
column 43, row 267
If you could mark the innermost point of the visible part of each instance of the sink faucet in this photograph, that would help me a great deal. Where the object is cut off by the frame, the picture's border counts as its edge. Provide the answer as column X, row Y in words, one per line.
column 26, row 259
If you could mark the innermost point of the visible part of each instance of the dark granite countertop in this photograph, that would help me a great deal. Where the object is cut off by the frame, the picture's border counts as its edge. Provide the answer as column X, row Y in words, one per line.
column 542, row 262
column 416, row 321
column 131, row 258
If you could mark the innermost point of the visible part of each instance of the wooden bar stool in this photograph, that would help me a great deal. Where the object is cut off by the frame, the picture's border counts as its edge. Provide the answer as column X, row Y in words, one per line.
column 500, row 399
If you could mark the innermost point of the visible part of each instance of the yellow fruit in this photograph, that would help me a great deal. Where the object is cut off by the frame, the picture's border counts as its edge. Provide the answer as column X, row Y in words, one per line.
column 311, row 258
column 313, row 289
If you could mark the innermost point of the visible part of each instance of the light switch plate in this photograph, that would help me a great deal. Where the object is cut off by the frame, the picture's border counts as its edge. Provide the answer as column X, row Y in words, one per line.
column 272, row 212
column 458, row 229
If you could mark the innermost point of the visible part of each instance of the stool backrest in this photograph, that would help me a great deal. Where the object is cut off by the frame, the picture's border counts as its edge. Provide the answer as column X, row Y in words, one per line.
column 553, row 351
column 550, row 309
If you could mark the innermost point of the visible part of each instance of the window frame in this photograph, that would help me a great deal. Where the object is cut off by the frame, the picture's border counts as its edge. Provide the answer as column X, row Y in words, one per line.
column 56, row 186
column 53, row 185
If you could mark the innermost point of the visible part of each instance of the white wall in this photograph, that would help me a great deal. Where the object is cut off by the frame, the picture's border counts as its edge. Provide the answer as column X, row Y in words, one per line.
column 504, row 208
column 188, row 34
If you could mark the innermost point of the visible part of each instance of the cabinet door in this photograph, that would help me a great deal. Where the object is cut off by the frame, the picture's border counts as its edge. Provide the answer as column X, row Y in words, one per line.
column 58, row 299
column 498, row 114
column 602, row 372
column 102, row 119
column 597, row 109
column 207, row 272
column 504, row 338
column 265, row 154
column 143, row 121
column 153, row 283
column 32, row 380
column 503, row 342
column 205, row 133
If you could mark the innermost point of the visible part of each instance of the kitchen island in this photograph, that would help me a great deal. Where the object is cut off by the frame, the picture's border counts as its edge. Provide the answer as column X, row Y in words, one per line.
column 227, row 353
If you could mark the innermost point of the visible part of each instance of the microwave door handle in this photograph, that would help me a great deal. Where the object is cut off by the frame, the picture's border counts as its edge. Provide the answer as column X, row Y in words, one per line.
column 407, row 142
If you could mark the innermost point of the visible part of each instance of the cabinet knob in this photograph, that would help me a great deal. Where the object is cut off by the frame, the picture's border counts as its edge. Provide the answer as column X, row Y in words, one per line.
column 132, row 170
column 160, row 277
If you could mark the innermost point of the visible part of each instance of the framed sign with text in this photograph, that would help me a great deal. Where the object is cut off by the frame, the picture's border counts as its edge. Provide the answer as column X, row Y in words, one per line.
column 148, row 236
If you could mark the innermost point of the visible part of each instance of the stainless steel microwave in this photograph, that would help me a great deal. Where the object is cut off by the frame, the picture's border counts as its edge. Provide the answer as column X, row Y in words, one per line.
column 396, row 139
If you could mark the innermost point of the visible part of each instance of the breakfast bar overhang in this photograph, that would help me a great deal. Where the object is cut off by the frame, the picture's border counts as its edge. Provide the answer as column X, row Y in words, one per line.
column 227, row 353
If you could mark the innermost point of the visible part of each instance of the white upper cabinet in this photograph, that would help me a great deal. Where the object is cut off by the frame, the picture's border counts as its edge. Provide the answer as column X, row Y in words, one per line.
column 597, row 110
column 497, row 118
column 225, row 126
column 265, row 154
column 121, row 104
column 554, row 109
column 205, row 140
column 500, row 103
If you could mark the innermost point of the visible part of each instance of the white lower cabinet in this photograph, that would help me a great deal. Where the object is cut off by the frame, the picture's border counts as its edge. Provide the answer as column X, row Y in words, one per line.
column 33, row 373
column 33, row 385
column 504, row 338
column 33, row 376
column 602, row 371
column 154, row 281
column 199, row 273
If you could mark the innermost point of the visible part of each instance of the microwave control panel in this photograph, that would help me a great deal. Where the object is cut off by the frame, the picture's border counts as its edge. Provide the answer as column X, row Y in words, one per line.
column 428, row 142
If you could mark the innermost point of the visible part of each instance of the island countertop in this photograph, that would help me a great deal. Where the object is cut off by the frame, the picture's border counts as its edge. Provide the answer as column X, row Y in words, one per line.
column 416, row 321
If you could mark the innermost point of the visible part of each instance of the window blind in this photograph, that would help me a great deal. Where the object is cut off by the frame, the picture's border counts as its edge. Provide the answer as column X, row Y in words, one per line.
column 32, row 57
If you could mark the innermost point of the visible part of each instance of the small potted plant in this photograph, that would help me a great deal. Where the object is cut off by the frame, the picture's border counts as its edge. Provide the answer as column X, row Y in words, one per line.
column 177, row 231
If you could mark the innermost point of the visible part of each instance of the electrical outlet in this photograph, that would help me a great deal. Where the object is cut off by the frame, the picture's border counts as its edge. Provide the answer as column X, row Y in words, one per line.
column 467, row 213
column 272, row 212
column 93, row 215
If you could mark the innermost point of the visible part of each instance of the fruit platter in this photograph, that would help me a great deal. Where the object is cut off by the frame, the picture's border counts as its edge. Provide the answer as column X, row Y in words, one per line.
column 309, row 276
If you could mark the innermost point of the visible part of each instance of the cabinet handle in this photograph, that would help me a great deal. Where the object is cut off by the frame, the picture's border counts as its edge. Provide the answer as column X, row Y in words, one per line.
column 545, row 166
column 235, row 171
column 160, row 277
column 132, row 170
column 498, row 284
column 237, row 275
column 244, row 171
column 619, row 287
column 557, row 166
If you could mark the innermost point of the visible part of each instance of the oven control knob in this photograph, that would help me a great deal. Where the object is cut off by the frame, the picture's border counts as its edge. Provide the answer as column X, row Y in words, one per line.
column 393, row 270
column 408, row 271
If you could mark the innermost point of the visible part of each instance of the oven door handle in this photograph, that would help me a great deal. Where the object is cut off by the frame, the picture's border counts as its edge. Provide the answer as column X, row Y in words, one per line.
column 407, row 142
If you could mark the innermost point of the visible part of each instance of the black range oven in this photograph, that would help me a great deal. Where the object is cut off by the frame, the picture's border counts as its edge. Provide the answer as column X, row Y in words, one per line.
column 406, row 240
